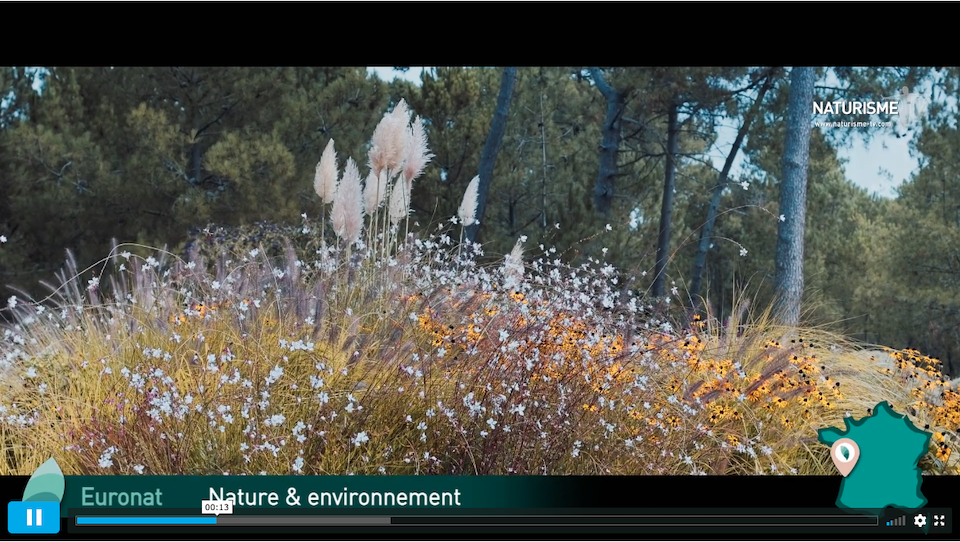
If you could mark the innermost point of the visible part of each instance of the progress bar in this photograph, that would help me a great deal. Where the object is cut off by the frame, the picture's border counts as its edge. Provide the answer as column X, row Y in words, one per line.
column 146, row 521
column 247, row 521
column 649, row 520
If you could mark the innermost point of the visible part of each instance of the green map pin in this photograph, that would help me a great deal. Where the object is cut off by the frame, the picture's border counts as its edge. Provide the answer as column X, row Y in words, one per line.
column 46, row 483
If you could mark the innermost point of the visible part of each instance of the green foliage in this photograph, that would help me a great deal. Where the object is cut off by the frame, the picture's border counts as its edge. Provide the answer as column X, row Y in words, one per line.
column 147, row 153
column 457, row 105
column 925, row 235
column 151, row 154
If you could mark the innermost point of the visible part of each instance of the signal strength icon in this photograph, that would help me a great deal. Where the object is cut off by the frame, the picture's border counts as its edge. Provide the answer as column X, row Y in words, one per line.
column 897, row 522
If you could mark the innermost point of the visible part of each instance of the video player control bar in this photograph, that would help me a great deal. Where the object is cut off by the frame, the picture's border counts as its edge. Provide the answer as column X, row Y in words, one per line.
column 652, row 520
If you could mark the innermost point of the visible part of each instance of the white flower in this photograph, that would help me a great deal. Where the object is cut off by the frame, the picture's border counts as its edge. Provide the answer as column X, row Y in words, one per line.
column 275, row 374
column 105, row 461
column 609, row 227
column 275, row 420
column 743, row 251
column 3, row 238
column 576, row 449
column 745, row 185
column 360, row 438
column 783, row 218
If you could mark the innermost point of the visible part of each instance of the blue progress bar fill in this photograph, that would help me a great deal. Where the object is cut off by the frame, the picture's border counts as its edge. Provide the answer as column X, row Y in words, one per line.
column 137, row 521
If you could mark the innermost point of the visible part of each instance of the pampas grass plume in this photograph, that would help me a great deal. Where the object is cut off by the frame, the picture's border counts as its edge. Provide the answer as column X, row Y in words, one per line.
column 347, row 213
column 374, row 191
column 325, row 180
column 416, row 154
column 468, row 208
column 390, row 141
column 399, row 201
column 513, row 266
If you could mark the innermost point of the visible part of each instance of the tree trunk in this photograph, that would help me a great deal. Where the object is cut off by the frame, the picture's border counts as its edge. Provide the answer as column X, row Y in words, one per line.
column 610, row 143
column 788, row 278
column 666, row 208
column 707, row 231
column 195, row 162
column 488, row 158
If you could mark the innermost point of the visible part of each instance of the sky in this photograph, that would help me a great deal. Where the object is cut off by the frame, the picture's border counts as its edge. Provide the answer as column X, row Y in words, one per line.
column 878, row 166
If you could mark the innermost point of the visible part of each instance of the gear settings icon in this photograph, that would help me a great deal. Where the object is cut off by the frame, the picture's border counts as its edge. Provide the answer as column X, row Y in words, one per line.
column 920, row 520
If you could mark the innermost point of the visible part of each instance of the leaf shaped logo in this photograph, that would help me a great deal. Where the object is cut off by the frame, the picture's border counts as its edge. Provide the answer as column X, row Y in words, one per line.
column 46, row 483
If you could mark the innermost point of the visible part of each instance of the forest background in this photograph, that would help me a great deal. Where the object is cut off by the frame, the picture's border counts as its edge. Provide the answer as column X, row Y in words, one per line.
column 174, row 156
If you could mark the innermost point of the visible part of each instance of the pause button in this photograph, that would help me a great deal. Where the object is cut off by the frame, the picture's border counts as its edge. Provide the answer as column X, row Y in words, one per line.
column 33, row 517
